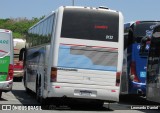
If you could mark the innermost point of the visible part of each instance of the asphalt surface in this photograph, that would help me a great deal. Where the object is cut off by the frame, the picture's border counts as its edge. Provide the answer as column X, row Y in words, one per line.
column 19, row 97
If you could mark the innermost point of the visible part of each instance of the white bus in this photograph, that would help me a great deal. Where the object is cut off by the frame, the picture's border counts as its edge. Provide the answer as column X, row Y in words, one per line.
column 75, row 52
column 18, row 65
column 6, row 61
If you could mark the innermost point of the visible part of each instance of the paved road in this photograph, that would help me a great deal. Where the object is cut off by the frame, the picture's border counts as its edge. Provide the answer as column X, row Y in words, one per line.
column 19, row 96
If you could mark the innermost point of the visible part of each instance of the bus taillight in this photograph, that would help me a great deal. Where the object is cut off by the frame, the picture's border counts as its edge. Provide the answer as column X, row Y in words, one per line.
column 133, row 75
column 10, row 72
column 137, row 22
column 118, row 75
column 53, row 74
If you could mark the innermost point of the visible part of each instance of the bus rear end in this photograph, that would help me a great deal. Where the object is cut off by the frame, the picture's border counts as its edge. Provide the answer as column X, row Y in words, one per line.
column 6, row 61
column 18, row 65
column 90, row 54
column 137, row 71
column 138, row 60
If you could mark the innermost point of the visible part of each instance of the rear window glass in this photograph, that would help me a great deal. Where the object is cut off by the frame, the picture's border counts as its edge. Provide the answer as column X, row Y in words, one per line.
column 4, row 44
column 90, row 24
column 144, row 29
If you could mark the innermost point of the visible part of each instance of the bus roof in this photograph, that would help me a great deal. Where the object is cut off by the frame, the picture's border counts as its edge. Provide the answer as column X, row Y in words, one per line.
column 18, row 40
column 141, row 21
column 99, row 8
column 5, row 30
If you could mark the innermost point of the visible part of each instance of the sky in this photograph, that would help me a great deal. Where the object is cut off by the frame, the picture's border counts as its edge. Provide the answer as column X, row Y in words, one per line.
column 132, row 10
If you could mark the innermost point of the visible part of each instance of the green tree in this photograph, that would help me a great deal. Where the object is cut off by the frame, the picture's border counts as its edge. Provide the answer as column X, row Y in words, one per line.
column 19, row 26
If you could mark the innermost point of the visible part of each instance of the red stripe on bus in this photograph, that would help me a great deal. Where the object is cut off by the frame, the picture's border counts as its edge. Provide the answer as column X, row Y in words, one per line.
column 72, row 44
column 3, row 51
column 90, row 46
column 16, row 49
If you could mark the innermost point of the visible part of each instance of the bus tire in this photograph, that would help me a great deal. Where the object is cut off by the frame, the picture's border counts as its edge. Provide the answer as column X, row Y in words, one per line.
column 39, row 97
column 97, row 104
column 37, row 89
column 24, row 82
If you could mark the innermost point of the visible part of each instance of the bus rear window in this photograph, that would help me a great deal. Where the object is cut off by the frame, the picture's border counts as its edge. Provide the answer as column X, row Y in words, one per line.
column 144, row 29
column 90, row 24
column 4, row 44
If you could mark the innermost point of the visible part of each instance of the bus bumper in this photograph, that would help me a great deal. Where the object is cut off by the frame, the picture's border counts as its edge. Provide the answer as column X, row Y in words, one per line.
column 18, row 73
column 6, row 86
column 138, row 88
column 105, row 93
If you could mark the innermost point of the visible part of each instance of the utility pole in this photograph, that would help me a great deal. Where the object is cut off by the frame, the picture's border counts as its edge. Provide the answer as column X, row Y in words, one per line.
column 73, row 2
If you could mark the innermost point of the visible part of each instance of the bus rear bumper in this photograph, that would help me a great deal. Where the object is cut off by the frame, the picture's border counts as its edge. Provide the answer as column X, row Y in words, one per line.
column 105, row 93
column 18, row 73
column 6, row 86
column 138, row 88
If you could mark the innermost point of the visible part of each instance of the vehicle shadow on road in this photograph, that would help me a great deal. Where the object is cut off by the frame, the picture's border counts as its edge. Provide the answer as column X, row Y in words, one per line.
column 133, row 102
column 29, row 99
column 69, row 104
column 77, row 107
column 24, row 98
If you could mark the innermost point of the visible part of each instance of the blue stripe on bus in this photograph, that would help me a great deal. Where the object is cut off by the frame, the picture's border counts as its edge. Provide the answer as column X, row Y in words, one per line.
column 68, row 60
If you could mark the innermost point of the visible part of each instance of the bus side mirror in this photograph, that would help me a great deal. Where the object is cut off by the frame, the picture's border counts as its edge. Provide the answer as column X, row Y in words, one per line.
column 22, row 54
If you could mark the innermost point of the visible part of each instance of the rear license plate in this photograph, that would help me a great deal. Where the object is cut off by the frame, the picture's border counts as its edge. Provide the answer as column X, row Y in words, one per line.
column 85, row 93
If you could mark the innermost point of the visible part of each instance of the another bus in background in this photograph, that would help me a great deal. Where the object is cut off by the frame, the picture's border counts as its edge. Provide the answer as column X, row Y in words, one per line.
column 76, row 52
column 153, row 67
column 133, row 79
column 6, row 61
column 18, row 65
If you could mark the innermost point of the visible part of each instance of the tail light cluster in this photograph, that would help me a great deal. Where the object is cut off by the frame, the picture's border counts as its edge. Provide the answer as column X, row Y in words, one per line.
column 118, row 76
column 133, row 75
column 18, row 65
column 10, row 72
column 53, row 74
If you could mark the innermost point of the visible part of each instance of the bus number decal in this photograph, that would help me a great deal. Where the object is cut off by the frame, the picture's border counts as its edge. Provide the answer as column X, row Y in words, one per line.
column 3, row 61
column 109, row 37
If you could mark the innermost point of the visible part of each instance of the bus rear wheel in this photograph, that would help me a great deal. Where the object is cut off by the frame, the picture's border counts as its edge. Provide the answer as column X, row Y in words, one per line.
column 97, row 104
column 24, row 82
column 39, row 97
